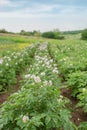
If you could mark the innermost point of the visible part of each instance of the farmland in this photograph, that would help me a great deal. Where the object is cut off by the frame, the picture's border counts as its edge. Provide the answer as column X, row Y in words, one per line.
column 52, row 88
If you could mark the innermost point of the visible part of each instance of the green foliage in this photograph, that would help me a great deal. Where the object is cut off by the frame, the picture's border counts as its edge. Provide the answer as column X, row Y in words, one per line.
column 53, row 34
column 71, row 58
column 77, row 81
column 83, row 126
column 69, row 55
column 72, row 32
column 3, row 31
column 26, row 33
column 41, row 108
column 34, row 33
column 39, row 104
column 48, row 34
column 12, row 65
column 83, row 99
column 84, row 34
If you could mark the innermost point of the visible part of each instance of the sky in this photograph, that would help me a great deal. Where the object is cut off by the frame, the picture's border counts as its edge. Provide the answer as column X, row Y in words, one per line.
column 43, row 15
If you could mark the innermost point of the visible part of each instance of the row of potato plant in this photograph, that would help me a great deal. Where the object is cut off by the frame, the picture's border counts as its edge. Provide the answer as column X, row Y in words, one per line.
column 71, row 59
column 12, row 64
column 39, row 104
column 70, row 56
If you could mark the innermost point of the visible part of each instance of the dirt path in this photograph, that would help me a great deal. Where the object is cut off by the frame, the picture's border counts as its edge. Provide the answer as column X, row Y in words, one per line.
column 78, row 114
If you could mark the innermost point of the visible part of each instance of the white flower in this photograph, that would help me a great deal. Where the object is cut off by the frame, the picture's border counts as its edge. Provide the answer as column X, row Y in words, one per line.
column 37, row 79
column 61, row 96
column 45, row 82
column 33, row 76
column 84, row 89
column 50, row 83
column 59, row 100
column 78, row 119
column 42, row 74
column 8, row 58
column 51, row 60
column 49, row 66
column 27, row 76
column 1, row 61
column 7, row 64
column 55, row 71
column 25, row 119
column 47, row 63
column 55, row 65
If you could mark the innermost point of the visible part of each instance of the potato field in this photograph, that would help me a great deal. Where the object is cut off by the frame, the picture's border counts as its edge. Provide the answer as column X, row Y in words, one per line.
column 43, row 83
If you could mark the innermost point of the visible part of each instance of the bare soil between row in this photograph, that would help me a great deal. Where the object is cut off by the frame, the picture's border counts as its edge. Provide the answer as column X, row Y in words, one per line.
column 78, row 114
column 16, row 87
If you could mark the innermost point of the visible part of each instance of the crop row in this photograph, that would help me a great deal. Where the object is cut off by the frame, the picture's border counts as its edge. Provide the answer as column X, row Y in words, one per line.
column 39, row 104
column 12, row 64
column 71, row 59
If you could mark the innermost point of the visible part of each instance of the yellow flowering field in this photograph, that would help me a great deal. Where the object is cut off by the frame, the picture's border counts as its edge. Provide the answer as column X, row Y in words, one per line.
column 10, row 43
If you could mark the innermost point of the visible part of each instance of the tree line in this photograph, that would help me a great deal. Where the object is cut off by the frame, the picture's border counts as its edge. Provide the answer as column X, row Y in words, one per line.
column 55, row 34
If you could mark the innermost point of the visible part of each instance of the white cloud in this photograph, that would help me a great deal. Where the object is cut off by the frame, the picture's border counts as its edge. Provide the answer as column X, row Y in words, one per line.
column 4, row 2
column 45, row 11
column 43, row 17
column 38, row 9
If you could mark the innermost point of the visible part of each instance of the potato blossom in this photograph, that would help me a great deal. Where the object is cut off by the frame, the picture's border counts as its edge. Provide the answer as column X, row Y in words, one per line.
column 25, row 119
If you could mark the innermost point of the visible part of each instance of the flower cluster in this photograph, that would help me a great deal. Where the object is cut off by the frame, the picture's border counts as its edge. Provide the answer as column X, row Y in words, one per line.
column 43, row 70
column 25, row 119
column 1, row 61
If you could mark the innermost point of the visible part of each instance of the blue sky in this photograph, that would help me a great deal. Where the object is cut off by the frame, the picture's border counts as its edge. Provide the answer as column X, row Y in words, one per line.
column 43, row 15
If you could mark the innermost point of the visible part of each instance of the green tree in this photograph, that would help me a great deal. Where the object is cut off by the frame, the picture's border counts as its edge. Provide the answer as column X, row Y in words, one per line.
column 84, row 34
column 3, row 31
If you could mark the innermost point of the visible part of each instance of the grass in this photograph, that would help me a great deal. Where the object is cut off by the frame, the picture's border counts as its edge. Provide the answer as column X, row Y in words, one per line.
column 10, row 43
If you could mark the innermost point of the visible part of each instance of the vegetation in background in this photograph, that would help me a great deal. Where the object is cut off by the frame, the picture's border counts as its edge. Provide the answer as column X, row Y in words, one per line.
column 84, row 34
column 5, row 31
column 72, row 32
column 11, row 42
column 53, row 34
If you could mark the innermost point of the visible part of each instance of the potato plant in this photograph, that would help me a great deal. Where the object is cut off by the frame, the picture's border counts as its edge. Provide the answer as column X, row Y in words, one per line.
column 39, row 104
column 12, row 65
column 71, row 59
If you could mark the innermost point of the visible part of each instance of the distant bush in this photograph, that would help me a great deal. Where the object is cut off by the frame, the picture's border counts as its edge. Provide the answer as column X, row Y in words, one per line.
column 53, row 34
column 60, row 37
column 84, row 34
column 72, row 32
column 25, row 33
column 3, row 31
column 34, row 33
column 48, row 34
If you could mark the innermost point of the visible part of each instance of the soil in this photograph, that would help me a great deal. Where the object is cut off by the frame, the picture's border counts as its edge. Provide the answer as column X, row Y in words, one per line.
column 4, row 96
column 78, row 114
